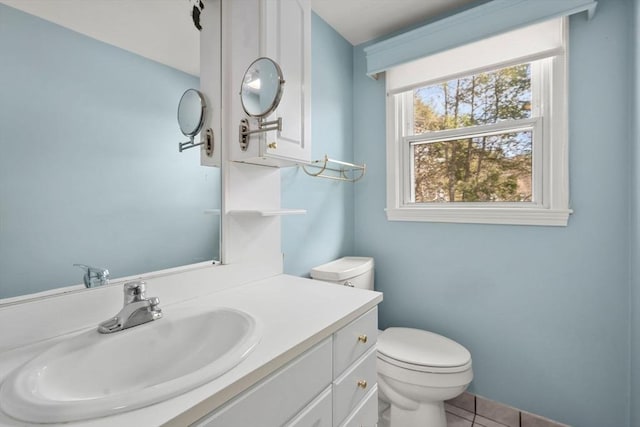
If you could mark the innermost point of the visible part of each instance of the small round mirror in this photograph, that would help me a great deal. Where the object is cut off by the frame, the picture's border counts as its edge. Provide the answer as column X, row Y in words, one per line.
column 191, row 112
column 261, row 88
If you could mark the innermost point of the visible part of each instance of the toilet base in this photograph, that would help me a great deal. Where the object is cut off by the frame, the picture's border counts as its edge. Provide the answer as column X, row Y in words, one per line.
column 429, row 414
column 413, row 405
column 383, row 419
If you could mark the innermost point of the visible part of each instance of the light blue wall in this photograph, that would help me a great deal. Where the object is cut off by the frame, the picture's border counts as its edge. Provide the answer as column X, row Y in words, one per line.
column 544, row 311
column 89, row 165
column 635, row 227
column 326, row 231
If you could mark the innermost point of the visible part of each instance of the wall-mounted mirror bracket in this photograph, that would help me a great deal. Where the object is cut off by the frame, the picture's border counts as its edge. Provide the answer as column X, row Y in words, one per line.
column 263, row 126
column 207, row 142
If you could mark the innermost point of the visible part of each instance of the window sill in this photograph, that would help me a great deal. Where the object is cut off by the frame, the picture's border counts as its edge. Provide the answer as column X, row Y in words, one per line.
column 484, row 215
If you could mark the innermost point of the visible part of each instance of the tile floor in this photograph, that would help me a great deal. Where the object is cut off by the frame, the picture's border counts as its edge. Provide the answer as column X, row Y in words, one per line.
column 468, row 410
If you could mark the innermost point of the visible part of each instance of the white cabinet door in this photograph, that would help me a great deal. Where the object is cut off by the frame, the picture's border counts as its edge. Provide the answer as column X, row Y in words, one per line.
column 353, row 386
column 286, row 38
column 316, row 414
column 281, row 396
column 366, row 414
column 354, row 340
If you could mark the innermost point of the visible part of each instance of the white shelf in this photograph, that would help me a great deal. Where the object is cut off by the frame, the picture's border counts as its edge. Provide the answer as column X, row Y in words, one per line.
column 268, row 212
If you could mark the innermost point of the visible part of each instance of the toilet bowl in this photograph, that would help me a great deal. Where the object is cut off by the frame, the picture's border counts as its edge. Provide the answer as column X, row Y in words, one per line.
column 417, row 370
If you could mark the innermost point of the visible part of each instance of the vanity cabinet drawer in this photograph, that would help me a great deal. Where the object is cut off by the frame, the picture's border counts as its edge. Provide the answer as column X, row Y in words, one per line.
column 352, row 341
column 353, row 386
column 366, row 414
column 316, row 414
column 279, row 397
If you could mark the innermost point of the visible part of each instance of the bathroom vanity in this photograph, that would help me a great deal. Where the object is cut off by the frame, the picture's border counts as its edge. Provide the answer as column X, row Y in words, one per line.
column 342, row 393
column 314, row 363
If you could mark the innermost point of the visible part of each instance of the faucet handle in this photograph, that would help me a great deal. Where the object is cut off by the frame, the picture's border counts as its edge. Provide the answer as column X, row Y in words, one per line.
column 134, row 291
column 94, row 276
column 154, row 308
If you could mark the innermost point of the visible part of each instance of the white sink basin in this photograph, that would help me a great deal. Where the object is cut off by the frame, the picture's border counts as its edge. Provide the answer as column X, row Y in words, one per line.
column 93, row 375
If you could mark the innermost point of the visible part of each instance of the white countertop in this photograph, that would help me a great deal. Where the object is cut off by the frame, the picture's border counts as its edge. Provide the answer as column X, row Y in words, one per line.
column 295, row 314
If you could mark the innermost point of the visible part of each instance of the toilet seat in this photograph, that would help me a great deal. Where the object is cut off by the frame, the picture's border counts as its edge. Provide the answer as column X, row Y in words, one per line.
column 422, row 351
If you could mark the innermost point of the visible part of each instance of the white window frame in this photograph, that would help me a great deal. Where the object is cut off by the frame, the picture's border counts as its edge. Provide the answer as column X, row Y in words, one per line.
column 550, row 206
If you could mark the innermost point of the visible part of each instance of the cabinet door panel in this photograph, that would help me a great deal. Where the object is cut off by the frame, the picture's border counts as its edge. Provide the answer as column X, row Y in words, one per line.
column 366, row 414
column 352, row 341
column 353, row 386
column 287, row 40
column 317, row 414
column 282, row 395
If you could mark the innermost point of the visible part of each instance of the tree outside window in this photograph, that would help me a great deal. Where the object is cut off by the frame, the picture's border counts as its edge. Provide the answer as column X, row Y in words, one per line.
column 478, row 162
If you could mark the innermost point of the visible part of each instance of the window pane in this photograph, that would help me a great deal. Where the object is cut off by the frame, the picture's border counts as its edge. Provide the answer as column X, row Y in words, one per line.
column 491, row 168
column 481, row 99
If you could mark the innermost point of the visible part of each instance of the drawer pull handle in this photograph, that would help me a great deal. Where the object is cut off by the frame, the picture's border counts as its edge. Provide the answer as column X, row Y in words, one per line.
column 362, row 384
column 362, row 339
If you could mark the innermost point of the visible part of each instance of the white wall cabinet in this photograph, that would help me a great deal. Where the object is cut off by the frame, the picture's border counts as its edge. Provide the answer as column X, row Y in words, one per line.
column 284, row 35
column 308, row 393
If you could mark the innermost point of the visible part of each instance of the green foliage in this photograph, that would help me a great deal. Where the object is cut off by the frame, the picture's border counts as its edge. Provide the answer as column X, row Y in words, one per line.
column 476, row 169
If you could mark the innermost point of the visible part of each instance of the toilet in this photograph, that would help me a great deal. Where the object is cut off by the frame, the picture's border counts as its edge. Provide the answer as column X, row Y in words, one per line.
column 417, row 370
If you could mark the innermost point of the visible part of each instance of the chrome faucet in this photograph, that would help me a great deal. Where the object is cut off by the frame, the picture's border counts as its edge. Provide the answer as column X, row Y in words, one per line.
column 94, row 276
column 138, row 309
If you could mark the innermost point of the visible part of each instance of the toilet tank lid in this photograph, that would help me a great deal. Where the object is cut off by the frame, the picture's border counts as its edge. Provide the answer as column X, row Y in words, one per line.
column 343, row 268
column 422, row 348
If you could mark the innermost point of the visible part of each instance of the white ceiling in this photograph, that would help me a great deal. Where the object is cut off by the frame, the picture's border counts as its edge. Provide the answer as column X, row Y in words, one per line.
column 162, row 30
column 359, row 21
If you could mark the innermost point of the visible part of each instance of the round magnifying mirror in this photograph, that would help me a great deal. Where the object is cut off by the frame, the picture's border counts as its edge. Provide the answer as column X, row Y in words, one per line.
column 191, row 112
column 261, row 88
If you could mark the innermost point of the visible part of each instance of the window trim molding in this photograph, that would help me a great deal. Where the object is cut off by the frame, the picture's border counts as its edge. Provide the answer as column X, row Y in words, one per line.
column 482, row 215
column 552, row 210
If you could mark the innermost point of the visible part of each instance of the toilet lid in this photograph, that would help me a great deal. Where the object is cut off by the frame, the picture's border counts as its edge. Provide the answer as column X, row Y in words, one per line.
column 422, row 348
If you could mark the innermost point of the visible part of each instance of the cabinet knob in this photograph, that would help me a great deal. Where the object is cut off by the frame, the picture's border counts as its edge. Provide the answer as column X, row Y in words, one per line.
column 362, row 384
column 273, row 145
column 362, row 339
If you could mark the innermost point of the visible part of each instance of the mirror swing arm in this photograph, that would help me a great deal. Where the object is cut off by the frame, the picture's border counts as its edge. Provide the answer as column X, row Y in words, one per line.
column 263, row 126
column 207, row 142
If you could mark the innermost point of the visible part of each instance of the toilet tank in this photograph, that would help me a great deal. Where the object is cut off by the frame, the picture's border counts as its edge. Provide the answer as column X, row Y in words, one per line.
column 356, row 272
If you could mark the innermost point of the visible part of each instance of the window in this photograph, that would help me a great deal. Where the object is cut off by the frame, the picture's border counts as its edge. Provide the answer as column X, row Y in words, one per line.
column 483, row 141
